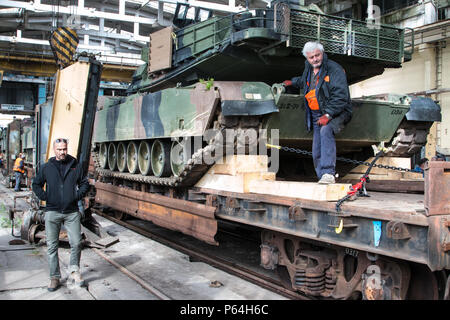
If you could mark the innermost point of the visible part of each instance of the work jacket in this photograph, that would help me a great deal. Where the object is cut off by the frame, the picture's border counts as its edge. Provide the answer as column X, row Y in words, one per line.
column 332, row 93
column 62, row 191
column 18, row 165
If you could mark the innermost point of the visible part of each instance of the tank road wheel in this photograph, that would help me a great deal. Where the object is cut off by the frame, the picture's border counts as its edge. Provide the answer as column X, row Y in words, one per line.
column 144, row 158
column 132, row 154
column 112, row 159
column 177, row 158
column 103, row 156
column 121, row 157
column 160, row 158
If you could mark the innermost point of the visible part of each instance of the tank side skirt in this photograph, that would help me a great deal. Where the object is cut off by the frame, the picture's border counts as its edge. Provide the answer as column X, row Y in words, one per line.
column 187, row 217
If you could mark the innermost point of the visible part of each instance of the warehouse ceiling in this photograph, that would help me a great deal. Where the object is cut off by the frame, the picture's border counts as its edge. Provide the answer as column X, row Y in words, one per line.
column 113, row 30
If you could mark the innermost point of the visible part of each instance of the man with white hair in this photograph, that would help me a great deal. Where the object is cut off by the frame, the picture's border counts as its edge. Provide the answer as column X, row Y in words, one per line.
column 327, row 106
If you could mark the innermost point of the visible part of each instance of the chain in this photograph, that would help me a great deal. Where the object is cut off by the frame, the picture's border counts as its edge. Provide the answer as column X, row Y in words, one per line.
column 357, row 162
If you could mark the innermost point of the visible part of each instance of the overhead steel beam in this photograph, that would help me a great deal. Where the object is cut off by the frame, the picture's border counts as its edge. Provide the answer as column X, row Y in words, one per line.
column 120, row 59
column 114, row 73
column 69, row 10
column 433, row 32
column 42, row 67
column 208, row 5
column 18, row 112
column 26, row 80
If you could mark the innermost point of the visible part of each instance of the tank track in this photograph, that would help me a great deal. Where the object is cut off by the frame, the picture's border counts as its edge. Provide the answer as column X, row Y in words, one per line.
column 195, row 168
column 191, row 173
column 411, row 136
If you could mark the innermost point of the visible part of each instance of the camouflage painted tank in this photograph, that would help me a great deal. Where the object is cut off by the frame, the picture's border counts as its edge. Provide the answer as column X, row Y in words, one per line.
column 173, row 136
column 143, row 137
column 401, row 122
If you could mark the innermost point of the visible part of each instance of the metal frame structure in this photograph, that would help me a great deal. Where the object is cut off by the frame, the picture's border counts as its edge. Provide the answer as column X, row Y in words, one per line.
column 115, row 31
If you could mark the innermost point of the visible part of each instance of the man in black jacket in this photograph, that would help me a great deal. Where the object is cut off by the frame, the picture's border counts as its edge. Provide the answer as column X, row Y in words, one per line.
column 65, row 185
column 327, row 106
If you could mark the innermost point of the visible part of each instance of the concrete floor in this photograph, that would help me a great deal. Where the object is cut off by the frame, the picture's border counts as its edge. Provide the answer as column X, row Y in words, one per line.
column 24, row 270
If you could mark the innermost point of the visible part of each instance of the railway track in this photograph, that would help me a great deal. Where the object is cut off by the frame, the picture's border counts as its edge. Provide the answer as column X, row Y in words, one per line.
column 157, row 293
column 231, row 267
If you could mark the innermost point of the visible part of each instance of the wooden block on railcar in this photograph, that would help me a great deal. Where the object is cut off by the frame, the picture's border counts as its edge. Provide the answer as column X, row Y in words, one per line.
column 385, row 161
column 232, row 183
column 237, row 164
column 386, row 174
column 301, row 190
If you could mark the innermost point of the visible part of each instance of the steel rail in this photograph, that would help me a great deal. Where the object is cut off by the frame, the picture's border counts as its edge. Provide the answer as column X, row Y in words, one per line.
column 133, row 276
column 220, row 263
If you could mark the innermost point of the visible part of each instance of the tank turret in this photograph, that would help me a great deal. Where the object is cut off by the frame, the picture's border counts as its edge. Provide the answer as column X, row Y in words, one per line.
column 265, row 45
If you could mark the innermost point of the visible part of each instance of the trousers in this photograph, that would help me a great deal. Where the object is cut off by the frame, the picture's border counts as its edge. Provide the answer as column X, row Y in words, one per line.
column 324, row 147
column 17, row 175
column 72, row 223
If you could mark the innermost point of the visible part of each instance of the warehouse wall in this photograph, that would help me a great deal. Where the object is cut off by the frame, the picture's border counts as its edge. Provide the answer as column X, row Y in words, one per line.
column 444, row 128
column 419, row 74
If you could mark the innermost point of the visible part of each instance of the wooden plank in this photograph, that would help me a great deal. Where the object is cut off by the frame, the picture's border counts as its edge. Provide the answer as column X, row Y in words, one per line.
column 68, row 107
column 385, row 161
column 160, row 53
column 238, row 183
column 395, row 176
column 107, row 242
column 237, row 164
column 301, row 190
column 257, row 176
column 430, row 147
column 385, row 174
column 392, row 185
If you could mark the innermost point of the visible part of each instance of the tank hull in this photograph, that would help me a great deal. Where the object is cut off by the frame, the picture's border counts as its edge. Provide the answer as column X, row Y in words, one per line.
column 372, row 122
column 180, row 112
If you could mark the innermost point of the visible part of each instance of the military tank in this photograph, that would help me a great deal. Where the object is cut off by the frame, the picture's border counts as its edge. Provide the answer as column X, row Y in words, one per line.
column 222, row 75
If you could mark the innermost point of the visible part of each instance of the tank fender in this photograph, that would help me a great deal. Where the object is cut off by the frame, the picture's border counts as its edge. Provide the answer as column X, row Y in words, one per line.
column 423, row 109
column 245, row 98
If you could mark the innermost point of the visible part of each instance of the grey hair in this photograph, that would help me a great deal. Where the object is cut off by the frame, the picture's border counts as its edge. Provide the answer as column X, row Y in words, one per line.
column 59, row 140
column 311, row 46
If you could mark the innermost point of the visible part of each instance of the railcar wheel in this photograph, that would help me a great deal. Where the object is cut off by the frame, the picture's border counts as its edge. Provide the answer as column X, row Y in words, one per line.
column 119, row 215
column 103, row 156
column 132, row 154
column 177, row 158
column 112, row 159
column 424, row 284
column 143, row 158
column 160, row 158
column 121, row 156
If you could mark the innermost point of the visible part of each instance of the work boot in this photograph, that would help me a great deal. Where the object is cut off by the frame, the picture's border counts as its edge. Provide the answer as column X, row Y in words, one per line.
column 76, row 277
column 54, row 285
column 326, row 179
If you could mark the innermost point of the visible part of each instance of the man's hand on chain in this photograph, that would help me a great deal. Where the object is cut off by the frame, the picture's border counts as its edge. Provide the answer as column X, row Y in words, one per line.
column 287, row 83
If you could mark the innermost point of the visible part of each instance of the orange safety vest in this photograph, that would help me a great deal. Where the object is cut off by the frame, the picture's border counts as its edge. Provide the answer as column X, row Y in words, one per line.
column 313, row 104
column 17, row 166
column 311, row 98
